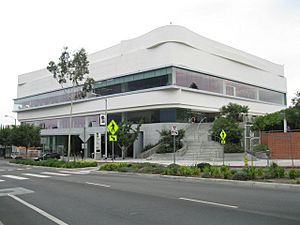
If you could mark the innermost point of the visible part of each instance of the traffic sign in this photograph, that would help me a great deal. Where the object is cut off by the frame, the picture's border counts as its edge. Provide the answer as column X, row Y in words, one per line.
column 223, row 136
column 174, row 130
column 102, row 120
column 113, row 138
column 113, row 127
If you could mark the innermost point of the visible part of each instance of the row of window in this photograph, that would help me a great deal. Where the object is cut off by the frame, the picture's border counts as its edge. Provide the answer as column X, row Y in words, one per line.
column 158, row 78
column 147, row 116
column 209, row 83
column 134, row 82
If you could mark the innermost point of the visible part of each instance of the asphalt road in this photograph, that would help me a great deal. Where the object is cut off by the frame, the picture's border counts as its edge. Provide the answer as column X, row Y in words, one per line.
column 86, row 197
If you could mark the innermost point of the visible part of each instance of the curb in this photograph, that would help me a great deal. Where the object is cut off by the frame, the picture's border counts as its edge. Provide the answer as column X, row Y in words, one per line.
column 250, row 184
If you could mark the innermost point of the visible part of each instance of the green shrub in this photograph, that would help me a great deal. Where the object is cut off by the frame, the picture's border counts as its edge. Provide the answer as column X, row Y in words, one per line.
column 253, row 172
column 166, row 141
column 226, row 172
column 202, row 165
column 206, row 172
column 260, row 148
column 233, row 148
column 276, row 171
column 240, row 175
column 293, row 174
column 113, row 166
column 215, row 172
column 58, row 163
column 148, row 146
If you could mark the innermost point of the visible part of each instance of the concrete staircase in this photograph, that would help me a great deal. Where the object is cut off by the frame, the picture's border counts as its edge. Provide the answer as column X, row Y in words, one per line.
column 197, row 146
column 200, row 148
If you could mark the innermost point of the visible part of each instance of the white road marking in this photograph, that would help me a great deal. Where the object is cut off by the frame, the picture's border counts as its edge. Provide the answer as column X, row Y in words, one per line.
column 40, row 211
column 20, row 169
column 56, row 174
column 1, row 180
column 209, row 203
column 15, row 177
column 74, row 172
column 14, row 191
column 35, row 175
column 96, row 184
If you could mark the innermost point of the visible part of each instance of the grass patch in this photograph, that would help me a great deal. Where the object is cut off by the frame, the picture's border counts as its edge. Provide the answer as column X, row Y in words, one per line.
column 57, row 163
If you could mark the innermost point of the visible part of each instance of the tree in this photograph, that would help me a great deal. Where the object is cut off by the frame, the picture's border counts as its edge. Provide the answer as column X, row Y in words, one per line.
column 166, row 141
column 271, row 121
column 25, row 135
column 127, row 135
column 296, row 100
column 232, row 129
column 72, row 71
column 5, row 134
column 234, row 111
column 230, row 116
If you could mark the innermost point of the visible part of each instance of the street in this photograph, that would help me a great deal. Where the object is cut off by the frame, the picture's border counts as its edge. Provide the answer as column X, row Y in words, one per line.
column 35, row 196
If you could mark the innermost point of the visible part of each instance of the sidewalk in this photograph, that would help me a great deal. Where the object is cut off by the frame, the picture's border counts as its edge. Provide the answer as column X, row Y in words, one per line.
column 262, row 162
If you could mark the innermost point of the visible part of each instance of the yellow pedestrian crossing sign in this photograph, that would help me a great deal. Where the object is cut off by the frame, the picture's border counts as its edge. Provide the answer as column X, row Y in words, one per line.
column 113, row 127
column 113, row 138
column 223, row 136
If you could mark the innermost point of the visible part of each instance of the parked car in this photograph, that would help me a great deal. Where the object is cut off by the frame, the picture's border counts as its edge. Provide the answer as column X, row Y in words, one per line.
column 48, row 156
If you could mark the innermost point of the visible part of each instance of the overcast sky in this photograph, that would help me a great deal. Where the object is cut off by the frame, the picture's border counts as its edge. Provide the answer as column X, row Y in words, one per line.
column 33, row 32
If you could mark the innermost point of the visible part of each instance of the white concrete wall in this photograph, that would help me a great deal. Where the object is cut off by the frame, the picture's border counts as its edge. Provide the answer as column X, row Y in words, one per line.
column 169, row 45
column 157, row 98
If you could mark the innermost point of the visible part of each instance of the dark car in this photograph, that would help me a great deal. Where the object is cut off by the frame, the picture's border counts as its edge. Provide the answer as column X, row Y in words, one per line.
column 48, row 156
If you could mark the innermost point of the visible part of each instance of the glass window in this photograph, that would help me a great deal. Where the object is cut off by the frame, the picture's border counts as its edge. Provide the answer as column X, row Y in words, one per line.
column 199, row 81
column 271, row 96
column 209, row 83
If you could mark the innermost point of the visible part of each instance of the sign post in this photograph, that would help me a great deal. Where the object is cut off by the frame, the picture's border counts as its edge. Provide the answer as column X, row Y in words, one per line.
column 174, row 132
column 223, row 142
column 113, row 128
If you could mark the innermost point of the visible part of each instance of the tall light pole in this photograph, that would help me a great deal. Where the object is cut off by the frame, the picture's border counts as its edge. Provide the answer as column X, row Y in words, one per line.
column 106, row 128
column 12, row 118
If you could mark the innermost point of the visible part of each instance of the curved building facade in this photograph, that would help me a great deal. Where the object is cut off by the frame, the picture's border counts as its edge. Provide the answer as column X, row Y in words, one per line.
column 166, row 76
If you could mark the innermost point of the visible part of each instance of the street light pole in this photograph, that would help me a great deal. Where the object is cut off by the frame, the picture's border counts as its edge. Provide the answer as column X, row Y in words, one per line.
column 106, row 128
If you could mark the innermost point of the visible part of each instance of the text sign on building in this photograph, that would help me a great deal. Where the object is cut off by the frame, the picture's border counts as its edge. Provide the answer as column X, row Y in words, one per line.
column 223, row 136
column 112, row 137
column 174, row 130
column 113, row 127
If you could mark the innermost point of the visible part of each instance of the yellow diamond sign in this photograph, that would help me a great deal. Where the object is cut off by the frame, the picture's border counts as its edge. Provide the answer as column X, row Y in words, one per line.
column 223, row 136
column 113, row 127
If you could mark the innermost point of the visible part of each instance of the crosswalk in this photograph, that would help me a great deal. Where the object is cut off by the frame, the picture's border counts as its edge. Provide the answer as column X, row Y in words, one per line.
column 45, row 174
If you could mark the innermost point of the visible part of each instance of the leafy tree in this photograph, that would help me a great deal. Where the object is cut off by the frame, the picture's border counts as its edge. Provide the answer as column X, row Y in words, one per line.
column 127, row 135
column 5, row 134
column 232, row 129
column 73, row 71
column 166, row 140
column 292, row 116
column 233, row 111
column 271, row 121
column 25, row 135
column 296, row 100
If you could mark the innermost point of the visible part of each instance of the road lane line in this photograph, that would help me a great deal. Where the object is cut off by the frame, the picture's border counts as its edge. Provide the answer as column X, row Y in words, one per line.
column 1, row 180
column 209, row 203
column 35, row 175
column 56, row 174
column 40, row 211
column 96, row 184
column 74, row 172
column 15, row 177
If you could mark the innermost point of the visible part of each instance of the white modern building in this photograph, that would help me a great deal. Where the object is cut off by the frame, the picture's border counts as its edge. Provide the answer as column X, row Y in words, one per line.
column 166, row 76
